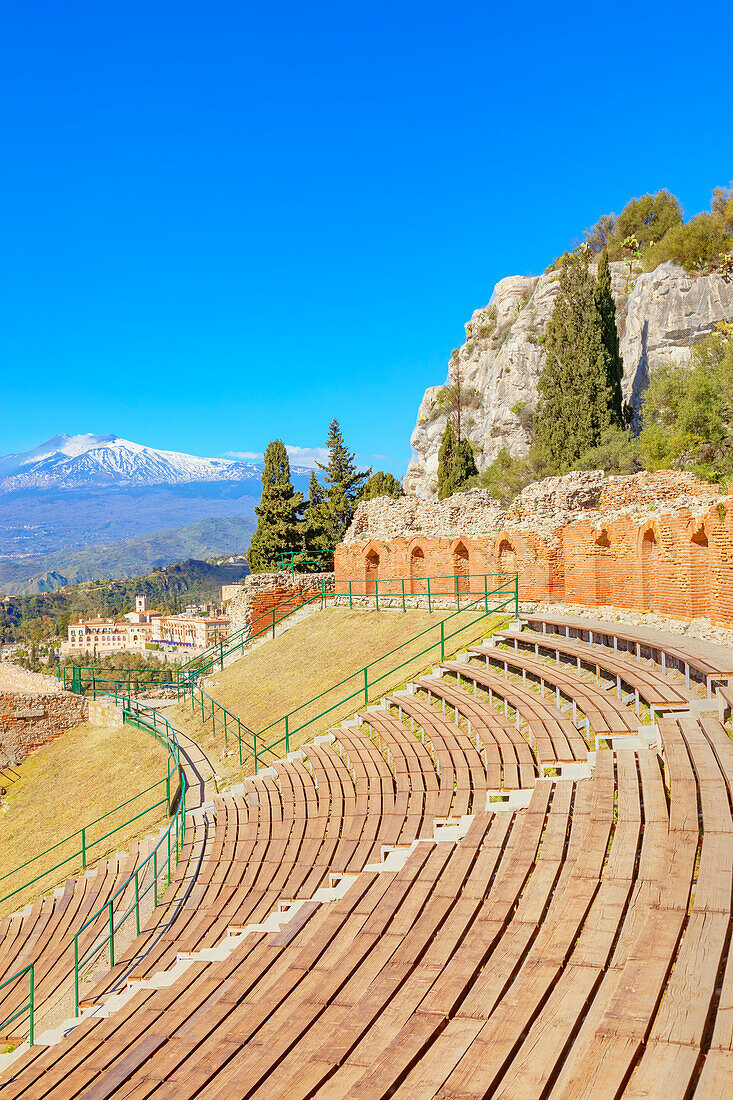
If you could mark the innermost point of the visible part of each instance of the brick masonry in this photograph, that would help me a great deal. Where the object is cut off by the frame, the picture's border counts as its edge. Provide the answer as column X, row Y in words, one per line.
column 30, row 720
column 653, row 542
column 262, row 593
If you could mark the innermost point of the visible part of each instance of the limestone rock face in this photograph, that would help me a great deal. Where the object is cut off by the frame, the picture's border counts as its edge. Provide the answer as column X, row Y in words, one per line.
column 660, row 316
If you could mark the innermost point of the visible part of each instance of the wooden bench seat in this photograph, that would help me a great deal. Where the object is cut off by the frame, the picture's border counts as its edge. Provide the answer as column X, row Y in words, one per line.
column 506, row 755
column 553, row 736
column 605, row 713
column 669, row 651
column 647, row 684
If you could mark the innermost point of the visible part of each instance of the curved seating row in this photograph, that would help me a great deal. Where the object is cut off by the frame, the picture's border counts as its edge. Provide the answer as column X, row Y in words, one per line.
column 43, row 934
column 440, row 943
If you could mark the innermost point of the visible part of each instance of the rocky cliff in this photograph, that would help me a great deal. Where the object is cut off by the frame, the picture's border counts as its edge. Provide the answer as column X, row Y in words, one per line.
column 660, row 315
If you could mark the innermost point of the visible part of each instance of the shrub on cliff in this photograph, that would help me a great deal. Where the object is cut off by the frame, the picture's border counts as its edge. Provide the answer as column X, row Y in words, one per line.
column 277, row 524
column 699, row 245
column 577, row 401
column 687, row 412
column 505, row 477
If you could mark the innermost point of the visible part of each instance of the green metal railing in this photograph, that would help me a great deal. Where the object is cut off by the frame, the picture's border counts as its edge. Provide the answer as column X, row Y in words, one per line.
column 28, row 1006
column 321, row 591
column 306, row 561
column 120, row 682
column 212, row 711
column 159, row 865
column 507, row 594
column 453, row 587
column 173, row 797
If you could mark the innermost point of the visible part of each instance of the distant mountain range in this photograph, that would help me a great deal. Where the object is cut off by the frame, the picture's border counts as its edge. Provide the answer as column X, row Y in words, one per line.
column 89, row 506
column 106, row 461
column 130, row 558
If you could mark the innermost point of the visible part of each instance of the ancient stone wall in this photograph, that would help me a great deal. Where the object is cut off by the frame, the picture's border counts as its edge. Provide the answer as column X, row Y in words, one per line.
column 264, row 593
column 29, row 720
column 661, row 542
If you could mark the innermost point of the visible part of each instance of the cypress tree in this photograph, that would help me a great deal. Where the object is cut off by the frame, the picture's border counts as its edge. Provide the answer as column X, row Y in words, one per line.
column 313, row 527
column 574, row 401
column 343, row 485
column 446, row 455
column 277, row 523
column 455, row 463
column 614, row 363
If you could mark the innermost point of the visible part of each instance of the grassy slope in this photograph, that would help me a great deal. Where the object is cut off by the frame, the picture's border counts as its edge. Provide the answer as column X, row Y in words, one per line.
column 306, row 660
column 79, row 776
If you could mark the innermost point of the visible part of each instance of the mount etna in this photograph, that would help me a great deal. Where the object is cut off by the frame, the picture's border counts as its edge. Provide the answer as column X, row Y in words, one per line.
column 87, row 506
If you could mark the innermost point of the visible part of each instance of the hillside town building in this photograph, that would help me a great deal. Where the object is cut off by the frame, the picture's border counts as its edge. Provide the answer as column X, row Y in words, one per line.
column 144, row 628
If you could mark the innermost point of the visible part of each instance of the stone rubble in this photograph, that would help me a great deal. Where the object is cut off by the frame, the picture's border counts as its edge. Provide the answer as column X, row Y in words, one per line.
column 545, row 506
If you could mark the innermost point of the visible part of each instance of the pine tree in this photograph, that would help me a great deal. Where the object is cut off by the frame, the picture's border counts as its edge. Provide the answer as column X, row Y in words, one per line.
column 455, row 463
column 574, row 401
column 277, row 512
column 614, row 363
column 343, row 484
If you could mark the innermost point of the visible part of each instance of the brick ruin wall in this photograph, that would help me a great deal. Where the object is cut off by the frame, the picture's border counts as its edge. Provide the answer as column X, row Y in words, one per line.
column 261, row 594
column 31, row 718
column 651, row 542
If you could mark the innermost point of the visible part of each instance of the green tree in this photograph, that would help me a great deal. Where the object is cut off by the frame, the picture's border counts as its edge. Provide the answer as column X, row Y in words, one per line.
column 614, row 364
column 456, row 464
column 456, row 398
column 575, row 404
column 313, row 528
column 648, row 218
column 343, row 481
column 277, row 512
column 381, row 484
column 687, row 412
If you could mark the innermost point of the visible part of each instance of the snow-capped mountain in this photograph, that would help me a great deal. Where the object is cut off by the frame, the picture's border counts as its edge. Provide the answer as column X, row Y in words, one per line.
column 81, row 461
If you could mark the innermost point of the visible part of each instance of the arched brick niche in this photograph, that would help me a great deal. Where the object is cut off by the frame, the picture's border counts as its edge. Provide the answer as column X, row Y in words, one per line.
column 418, row 570
column 649, row 569
column 461, row 566
column 603, row 567
column 506, row 556
column 371, row 570
column 701, row 567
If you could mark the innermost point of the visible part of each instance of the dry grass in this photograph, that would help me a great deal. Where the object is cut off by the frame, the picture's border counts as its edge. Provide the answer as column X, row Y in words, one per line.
column 77, row 778
column 327, row 647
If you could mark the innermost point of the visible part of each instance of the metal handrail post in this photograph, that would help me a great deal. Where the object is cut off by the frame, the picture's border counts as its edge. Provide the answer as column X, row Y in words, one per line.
column 442, row 639
column 31, row 1006
column 403, row 595
column 430, row 608
column 111, row 936
column 366, row 686
column 287, row 735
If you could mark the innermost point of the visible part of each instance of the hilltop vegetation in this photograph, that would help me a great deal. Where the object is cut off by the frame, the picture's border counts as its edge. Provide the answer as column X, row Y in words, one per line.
column 652, row 230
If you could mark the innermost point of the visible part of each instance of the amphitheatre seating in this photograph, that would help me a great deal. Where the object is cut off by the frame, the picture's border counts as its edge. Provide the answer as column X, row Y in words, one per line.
column 43, row 934
column 578, row 947
column 553, row 736
column 506, row 755
column 604, row 713
column 694, row 658
column 647, row 684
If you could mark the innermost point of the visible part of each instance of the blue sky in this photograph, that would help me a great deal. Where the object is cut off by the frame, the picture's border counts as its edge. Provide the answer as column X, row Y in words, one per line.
column 227, row 222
